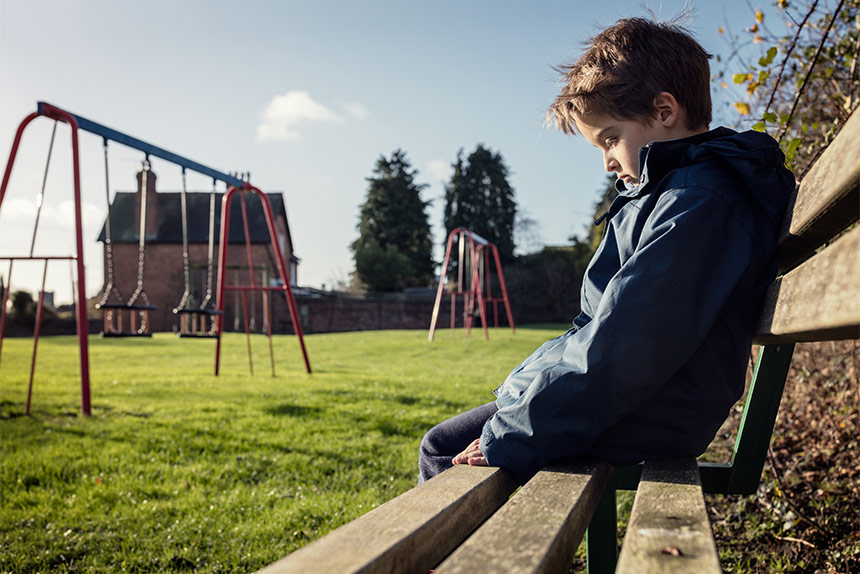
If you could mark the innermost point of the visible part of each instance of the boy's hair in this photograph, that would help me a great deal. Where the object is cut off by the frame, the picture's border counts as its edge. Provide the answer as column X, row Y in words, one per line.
column 625, row 66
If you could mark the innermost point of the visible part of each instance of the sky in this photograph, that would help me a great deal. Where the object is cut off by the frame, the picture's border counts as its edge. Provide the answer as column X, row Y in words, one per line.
column 305, row 96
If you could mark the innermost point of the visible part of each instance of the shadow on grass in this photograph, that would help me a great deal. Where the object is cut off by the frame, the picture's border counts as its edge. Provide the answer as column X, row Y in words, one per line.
column 288, row 410
column 560, row 327
column 355, row 395
column 11, row 410
column 17, row 409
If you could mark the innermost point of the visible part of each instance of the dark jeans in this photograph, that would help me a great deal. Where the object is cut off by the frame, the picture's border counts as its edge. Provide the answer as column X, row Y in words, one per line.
column 449, row 438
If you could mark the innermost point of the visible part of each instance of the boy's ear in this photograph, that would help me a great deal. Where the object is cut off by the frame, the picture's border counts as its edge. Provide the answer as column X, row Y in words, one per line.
column 667, row 109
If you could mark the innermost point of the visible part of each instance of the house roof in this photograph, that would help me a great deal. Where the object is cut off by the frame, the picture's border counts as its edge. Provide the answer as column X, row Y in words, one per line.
column 125, row 225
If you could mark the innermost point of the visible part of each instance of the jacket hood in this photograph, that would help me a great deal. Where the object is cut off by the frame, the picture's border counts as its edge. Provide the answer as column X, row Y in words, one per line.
column 754, row 156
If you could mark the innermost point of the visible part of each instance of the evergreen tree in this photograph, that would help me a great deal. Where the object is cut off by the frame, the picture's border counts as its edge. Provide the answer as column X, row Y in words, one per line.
column 394, row 246
column 480, row 198
column 601, row 206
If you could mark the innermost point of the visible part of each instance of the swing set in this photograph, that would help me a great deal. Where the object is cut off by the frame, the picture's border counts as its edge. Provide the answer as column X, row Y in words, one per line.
column 474, row 282
column 195, row 320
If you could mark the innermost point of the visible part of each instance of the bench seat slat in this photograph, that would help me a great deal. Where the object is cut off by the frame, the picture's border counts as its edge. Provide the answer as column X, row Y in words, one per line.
column 539, row 529
column 827, row 198
column 818, row 300
column 669, row 529
column 410, row 533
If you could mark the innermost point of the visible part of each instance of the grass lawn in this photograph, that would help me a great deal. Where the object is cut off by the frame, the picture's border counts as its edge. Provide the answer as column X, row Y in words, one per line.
column 178, row 470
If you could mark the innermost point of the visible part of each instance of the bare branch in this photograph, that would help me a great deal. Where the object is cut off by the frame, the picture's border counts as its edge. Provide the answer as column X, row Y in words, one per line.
column 788, row 55
column 802, row 87
column 852, row 80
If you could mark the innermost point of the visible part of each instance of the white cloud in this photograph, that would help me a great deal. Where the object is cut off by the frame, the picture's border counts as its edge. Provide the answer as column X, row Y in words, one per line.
column 438, row 170
column 356, row 109
column 56, row 225
column 284, row 113
column 15, row 209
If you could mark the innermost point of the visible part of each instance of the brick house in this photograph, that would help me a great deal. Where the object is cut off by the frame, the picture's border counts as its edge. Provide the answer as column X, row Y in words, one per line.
column 163, row 275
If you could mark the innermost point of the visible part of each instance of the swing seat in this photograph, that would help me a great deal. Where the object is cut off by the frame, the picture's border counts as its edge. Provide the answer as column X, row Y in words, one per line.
column 135, row 307
column 131, row 309
column 196, row 336
column 107, row 335
column 197, row 312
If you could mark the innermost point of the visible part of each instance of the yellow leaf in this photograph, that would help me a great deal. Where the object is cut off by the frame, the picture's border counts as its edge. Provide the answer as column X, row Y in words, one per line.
column 782, row 4
column 759, row 16
column 720, row 30
column 757, row 39
column 743, row 108
column 754, row 29
column 725, row 85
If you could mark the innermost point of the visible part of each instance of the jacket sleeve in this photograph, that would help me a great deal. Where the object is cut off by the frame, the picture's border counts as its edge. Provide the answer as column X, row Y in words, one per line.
column 654, row 313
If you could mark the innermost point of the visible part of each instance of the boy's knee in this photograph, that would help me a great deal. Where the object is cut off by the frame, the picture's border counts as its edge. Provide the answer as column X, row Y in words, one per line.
column 429, row 444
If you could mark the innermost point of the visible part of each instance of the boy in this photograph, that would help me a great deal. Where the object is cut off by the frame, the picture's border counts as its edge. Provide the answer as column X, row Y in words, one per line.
column 657, row 356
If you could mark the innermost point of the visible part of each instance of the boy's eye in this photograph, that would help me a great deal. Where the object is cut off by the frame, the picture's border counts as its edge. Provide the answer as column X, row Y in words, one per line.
column 611, row 141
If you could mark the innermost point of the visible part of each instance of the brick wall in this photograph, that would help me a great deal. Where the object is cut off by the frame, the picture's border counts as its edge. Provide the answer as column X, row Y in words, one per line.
column 338, row 312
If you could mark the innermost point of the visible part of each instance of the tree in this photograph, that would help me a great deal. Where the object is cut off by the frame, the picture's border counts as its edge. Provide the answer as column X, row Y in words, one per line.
column 800, row 86
column 394, row 246
column 23, row 308
column 601, row 206
column 480, row 198
column 544, row 285
column 381, row 268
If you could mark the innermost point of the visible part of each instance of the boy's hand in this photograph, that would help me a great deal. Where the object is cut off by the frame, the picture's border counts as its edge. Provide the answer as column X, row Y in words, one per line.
column 471, row 456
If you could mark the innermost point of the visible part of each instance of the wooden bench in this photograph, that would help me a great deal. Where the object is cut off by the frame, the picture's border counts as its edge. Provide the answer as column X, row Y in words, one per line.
column 471, row 520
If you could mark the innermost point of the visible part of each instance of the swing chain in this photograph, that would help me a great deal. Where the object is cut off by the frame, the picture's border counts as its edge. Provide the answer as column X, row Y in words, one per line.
column 187, row 300
column 185, row 236
column 210, row 263
column 110, row 288
column 141, row 249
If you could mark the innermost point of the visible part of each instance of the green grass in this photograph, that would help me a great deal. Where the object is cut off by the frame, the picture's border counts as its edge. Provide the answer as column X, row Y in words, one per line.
column 179, row 470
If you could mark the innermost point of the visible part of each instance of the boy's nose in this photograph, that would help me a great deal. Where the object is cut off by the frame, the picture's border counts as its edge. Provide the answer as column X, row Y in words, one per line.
column 609, row 163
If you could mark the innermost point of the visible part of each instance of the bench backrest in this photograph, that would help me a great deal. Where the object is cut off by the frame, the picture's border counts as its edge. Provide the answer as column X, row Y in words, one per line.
column 817, row 297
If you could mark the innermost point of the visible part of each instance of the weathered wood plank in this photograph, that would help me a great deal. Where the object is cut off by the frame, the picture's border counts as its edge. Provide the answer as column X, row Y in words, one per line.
column 410, row 533
column 669, row 530
column 827, row 199
column 539, row 529
column 817, row 301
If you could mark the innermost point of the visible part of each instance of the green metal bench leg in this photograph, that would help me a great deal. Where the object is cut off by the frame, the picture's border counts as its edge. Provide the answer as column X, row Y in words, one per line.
column 759, row 417
column 601, row 538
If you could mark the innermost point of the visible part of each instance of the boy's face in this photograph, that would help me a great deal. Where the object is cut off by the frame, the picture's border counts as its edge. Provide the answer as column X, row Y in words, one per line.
column 620, row 140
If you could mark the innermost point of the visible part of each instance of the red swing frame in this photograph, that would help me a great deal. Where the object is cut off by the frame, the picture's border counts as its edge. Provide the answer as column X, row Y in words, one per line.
column 476, row 292
column 58, row 115
column 252, row 286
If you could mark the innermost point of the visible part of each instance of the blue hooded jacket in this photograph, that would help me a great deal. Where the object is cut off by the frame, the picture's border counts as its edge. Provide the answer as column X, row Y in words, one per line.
column 657, row 356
